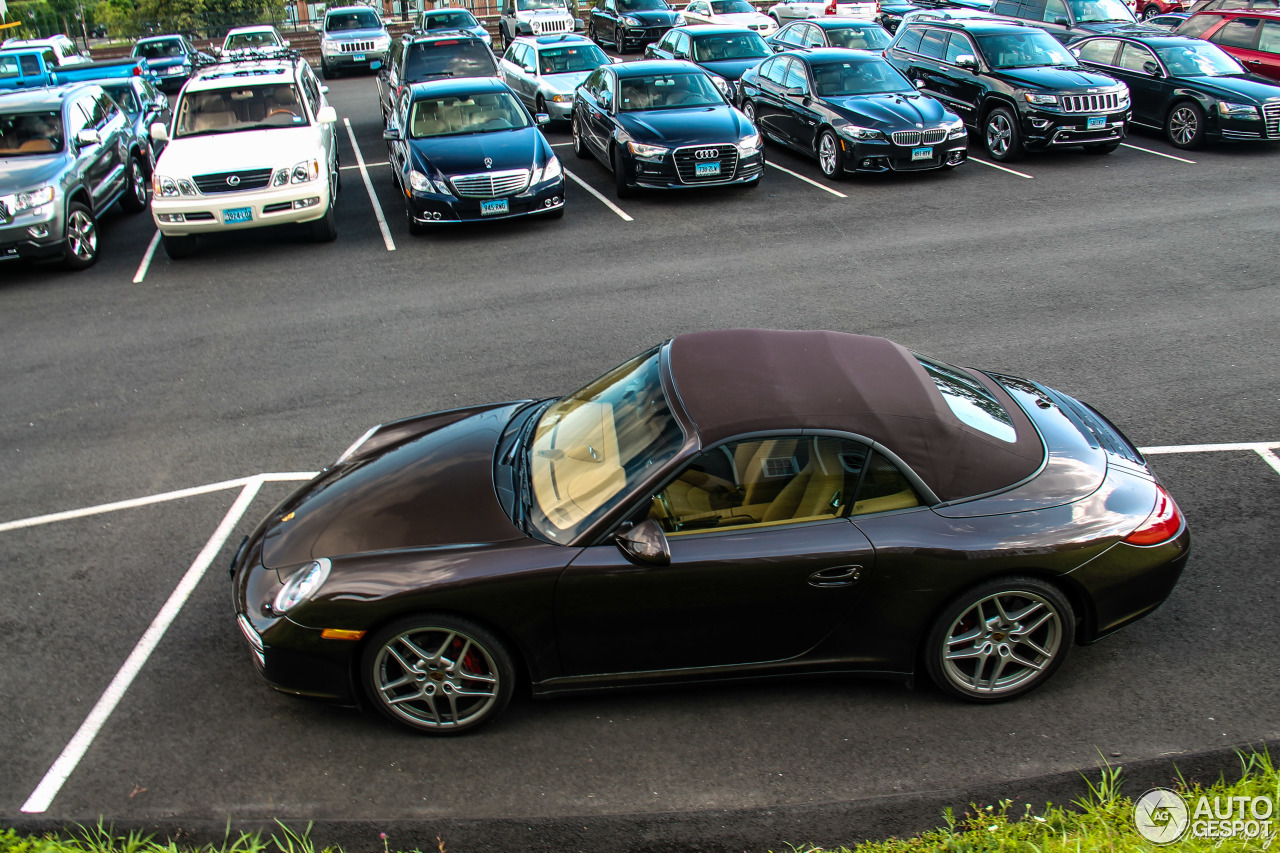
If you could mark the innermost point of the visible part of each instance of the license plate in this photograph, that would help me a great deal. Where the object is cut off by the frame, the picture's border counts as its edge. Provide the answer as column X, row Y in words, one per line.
column 237, row 214
column 921, row 153
column 1097, row 122
column 495, row 207
column 359, row 57
column 11, row 252
column 702, row 170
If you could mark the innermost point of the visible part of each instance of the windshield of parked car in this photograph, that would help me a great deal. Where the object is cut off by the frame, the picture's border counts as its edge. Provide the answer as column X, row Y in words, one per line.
column 1200, row 59
column 667, row 92
column 161, row 49
column 590, row 448
column 242, row 108
column 837, row 79
column 123, row 94
column 731, row 7
column 719, row 46
column 535, row 5
column 457, row 19
column 449, row 58
column 454, row 115
column 30, row 134
column 251, row 41
column 1025, row 50
column 1100, row 11
column 571, row 60
column 361, row 19
column 642, row 5
column 859, row 38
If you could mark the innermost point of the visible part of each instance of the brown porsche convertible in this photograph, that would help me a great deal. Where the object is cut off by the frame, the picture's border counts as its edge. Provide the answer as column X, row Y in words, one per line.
column 730, row 504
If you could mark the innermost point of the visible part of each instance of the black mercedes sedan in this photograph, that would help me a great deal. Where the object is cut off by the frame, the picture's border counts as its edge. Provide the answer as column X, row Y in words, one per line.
column 663, row 124
column 631, row 24
column 729, row 504
column 853, row 111
column 466, row 150
column 1190, row 89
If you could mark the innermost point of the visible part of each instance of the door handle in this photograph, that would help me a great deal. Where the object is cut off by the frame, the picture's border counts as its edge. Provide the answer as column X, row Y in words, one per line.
column 836, row 576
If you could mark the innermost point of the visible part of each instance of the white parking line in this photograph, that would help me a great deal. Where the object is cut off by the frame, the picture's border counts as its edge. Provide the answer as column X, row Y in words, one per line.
column 368, row 185
column 368, row 165
column 560, row 144
column 586, row 186
column 807, row 180
column 1265, row 449
column 1002, row 168
column 1158, row 153
column 146, row 259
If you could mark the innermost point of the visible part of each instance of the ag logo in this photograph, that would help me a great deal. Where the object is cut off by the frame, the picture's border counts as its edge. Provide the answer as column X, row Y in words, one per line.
column 1161, row 816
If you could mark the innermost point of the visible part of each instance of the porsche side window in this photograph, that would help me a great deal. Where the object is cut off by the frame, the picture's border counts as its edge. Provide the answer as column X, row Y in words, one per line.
column 762, row 483
column 882, row 488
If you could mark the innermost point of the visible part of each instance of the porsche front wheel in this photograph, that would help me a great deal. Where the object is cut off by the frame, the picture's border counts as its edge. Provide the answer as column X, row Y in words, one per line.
column 438, row 674
column 1000, row 640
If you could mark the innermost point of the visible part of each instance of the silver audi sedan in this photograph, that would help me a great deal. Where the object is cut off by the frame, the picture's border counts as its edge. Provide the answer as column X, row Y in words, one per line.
column 544, row 70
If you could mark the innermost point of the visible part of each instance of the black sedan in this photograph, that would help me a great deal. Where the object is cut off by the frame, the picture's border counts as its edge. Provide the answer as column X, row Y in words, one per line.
column 726, row 52
column 853, row 33
column 663, row 124
column 468, row 150
column 728, row 504
column 1190, row 89
column 853, row 111
column 631, row 24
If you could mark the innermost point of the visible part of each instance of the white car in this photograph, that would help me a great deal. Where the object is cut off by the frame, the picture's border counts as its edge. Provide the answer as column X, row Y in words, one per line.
column 733, row 13
column 252, row 144
column 64, row 49
column 257, row 39
column 944, row 15
column 795, row 10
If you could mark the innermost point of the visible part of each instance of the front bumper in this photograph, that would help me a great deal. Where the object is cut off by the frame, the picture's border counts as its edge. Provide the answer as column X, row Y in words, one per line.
column 171, row 79
column 35, row 233
column 438, row 209
column 209, row 214
column 665, row 174
column 366, row 59
column 559, row 111
column 638, row 37
column 873, row 156
column 1044, row 129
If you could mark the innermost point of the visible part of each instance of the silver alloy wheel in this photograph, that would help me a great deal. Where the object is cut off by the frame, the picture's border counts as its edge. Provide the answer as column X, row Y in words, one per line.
column 137, row 181
column 1149, row 13
column 999, row 134
column 827, row 154
column 1002, row 642
column 1183, row 125
column 749, row 110
column 82, row 236
column 436, row 678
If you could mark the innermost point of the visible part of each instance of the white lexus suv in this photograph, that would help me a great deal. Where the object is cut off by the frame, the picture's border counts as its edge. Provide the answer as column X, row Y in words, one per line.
column 252, row 144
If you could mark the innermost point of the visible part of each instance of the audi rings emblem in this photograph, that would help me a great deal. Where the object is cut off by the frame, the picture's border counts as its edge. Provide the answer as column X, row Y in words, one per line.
column 233, row 181
column 706, row 154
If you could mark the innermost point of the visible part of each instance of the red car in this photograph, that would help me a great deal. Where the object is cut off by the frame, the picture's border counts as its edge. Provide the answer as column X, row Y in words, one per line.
column 1251, row 36
column 1145, row 10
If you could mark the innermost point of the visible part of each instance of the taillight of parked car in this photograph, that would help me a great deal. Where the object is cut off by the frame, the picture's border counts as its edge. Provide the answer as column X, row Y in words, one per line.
column 1163, row 524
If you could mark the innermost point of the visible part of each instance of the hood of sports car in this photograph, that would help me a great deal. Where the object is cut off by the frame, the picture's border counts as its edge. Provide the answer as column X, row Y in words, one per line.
column 891, row 111
column 692, row 126
column 433, row 489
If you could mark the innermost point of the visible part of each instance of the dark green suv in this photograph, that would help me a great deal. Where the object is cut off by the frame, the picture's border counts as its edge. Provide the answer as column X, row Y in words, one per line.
column 1014, row 84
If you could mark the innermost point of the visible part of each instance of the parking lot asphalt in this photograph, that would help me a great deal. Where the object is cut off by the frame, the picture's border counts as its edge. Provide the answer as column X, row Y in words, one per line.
column 1140, row 283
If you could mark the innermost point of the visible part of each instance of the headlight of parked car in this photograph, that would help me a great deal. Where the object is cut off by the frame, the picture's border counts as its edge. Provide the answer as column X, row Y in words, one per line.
column 168, row 187
column 1042, row 100
column 630, row 21
column 307, row 170
column 382, row 43
column 749, row 144
column 34, row 198
column 955, row 130
column 1226, row 109
column 419, row 182
column 725, row 87
column 860, row 134
column 647, row 152
column 1122, row 96
column 550, row 172
column 328, row 46
column 681, row 20
column 301, row 586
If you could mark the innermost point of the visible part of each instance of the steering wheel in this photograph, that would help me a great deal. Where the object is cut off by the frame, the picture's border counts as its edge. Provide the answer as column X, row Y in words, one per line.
column 281, row 110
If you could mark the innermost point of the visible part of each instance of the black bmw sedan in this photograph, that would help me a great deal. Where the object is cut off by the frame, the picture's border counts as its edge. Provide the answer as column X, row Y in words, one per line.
column 853, row 111
column 1189, row 88
column 725, row 505
column 664, row 124
column 468, row 150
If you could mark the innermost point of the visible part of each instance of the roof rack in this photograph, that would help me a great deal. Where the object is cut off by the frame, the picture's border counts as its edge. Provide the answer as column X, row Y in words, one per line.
column 250, row 54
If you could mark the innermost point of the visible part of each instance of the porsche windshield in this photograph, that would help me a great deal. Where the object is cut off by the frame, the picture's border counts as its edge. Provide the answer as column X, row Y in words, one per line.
column 590, row 448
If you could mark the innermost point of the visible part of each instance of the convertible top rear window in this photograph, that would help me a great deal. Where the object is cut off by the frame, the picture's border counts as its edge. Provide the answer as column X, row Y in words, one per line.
column 969, row 401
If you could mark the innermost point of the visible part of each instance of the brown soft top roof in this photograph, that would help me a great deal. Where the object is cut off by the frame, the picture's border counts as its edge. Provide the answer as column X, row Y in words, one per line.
column 741, row 381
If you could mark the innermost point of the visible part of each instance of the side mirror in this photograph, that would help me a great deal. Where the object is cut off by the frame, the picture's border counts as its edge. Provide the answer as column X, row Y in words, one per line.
column 217, row 51
column 967, row 60
column 286, row 42
column 795, row 92
column 159, row 132
column 1151, row 68
column 542, row 119
column 324, row 90
column 327, row 115
column 920, row 84
column 88, row 137
column 391, row 133
column 644, row 544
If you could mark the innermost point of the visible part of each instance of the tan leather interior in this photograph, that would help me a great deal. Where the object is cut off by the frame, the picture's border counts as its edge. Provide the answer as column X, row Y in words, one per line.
column 580, row 471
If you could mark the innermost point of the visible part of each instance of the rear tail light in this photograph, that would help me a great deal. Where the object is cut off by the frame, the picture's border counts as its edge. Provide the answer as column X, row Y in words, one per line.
column 1161, row 525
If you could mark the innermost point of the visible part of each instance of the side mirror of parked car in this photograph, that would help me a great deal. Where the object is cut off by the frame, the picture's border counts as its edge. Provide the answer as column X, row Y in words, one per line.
column 88, row 137
column 967, row 60
column 391, row 133
column 645, row 544
column 1151, row 68
column 327, row 115
column 1062, row 22
column 542, row 119
column 286, row 42
column 159, row 132
column 795, row 92
column 920, row 84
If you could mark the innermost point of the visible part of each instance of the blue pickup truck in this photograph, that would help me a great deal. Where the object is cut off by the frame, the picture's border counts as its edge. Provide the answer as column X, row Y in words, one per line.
column 28, row 69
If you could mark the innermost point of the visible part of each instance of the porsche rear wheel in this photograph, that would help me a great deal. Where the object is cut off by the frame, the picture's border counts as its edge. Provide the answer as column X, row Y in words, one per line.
column 438, row 674
column 1000, row 640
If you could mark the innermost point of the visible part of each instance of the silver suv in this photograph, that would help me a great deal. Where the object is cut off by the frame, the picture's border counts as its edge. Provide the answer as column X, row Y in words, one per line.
column 352, row 37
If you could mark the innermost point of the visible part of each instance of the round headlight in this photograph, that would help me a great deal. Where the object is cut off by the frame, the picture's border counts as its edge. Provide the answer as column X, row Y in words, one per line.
column 300, row 586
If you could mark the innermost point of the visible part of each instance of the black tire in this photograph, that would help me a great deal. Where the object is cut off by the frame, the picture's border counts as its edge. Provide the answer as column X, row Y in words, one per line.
column 134, row 199
column 80, row 241
column 540, row 106
column 178, row 247
column 504, row 38
column 1184, row 126
column 1149, row 13
column 579, row 143
column 1001, row 135
column 324, row 71
column 1101, row 147
column 591, row 31
column 749, row 110
column 325, row 229
column 1023, row 622
column 620, row 186
column 438, row 657
column 830, row 158
column 619, row 42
